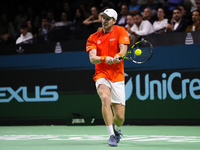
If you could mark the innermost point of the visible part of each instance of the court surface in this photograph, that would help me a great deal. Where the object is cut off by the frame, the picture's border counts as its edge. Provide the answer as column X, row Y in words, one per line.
column 95, row 138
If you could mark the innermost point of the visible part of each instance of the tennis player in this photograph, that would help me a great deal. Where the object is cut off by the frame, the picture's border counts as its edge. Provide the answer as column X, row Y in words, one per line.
column 104, row 48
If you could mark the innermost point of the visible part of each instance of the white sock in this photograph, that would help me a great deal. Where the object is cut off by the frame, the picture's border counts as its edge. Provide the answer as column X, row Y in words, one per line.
column 117, row 128
column 110, row 130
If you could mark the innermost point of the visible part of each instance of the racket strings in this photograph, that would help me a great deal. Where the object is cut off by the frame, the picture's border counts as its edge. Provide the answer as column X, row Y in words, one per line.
column 146, row 49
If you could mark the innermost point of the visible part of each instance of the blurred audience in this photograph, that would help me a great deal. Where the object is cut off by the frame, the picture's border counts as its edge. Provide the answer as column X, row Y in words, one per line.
column 6, row 25
column 44, row 29
column 41, row 18
column 143, row 27
column 185, row 14
column 134, row 7
column 31, row 16
column 32, row 29
column 161, row 23
column 79, row 18
column 25, row 36
column 178, row 23
column 130, row 28
column 130, row 24
column 196, row 21
column 68, row 11
column 51, row 18
column 121, row 21
column 147, row 15
column 198, row 4
column 94, row 18
column 6, row 39
column 106, row 4
column 21, row 18
column 153, row 7
column 83, row 8
column 64, row 20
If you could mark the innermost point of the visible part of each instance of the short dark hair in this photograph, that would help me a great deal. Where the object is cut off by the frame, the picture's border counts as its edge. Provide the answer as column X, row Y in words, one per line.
column 138, row 13
column 196, row 11
column 177, row 9
column 24, row 26
column 4, row 32
column 182, row 6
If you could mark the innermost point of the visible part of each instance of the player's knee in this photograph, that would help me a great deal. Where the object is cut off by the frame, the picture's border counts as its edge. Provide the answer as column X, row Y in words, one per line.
column 120, row 117
column 105, row 100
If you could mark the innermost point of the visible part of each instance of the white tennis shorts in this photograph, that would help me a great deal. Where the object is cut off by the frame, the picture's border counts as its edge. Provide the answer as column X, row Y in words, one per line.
column 117, row 90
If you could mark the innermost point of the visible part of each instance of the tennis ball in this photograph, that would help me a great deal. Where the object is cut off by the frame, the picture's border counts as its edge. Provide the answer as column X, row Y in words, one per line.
column 138, row 52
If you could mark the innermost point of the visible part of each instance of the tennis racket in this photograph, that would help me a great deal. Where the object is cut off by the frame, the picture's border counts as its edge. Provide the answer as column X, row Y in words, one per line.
column 140, row 52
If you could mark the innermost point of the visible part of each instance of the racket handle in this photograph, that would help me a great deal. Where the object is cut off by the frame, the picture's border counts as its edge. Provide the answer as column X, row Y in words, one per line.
column 120, row 58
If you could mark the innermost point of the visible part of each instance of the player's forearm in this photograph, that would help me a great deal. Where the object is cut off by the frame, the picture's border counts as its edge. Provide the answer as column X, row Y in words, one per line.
column 94, row 59
column 123, row 48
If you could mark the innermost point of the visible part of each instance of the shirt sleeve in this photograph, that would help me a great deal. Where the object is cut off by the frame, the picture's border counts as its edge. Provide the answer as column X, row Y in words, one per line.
column 123, row 37
column 90, row 44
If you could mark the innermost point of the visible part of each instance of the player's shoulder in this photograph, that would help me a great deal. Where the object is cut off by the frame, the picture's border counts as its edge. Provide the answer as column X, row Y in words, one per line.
column 95, row 35
column 119, row 28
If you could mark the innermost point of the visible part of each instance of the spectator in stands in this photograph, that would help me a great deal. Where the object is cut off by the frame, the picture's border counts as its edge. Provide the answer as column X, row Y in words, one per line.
column 45, row 29
column 185, row 15
column 67, row 10
column 21, row 18
column 6, row 25
column 79, row 18
column 64, row 20
column 83, row 8
column 171, row 5
column 143, row 27
column 32, row 29
column 179, row 24
column 130, row 24
column 121, row 21
column 51, row 17
column 153, row 6
column 106, row 4
column 198, row 4
column 31, row 16
column 94, row 18
column 25, row 36
column 196, row 21
column 134, row 7
column 191, row 4
column 147, row 15
column 130, row 28
column 6, row 39
column 161, row 23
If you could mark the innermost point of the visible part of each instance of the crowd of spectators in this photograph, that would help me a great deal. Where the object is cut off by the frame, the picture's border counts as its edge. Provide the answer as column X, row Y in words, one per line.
column 24, row 20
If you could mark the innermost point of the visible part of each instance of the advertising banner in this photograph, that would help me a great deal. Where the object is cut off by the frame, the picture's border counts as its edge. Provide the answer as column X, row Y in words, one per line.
column 53, row 86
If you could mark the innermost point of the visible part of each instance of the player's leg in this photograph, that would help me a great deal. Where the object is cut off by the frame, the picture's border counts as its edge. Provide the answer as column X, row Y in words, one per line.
column 104, row 94
column 118, row 120
column 118, row 105
column 103, row 89
column 119, row 114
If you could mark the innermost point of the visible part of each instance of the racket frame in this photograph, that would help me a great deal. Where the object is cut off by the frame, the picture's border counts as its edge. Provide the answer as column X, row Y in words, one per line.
column 125, row 56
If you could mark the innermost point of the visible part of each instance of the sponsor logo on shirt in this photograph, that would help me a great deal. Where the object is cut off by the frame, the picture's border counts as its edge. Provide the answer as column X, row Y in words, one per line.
column 98, row 42
column 126, row 38
column 112, row 39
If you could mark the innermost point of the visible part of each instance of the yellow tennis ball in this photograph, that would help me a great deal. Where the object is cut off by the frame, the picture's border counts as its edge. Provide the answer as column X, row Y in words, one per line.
column 138, row 52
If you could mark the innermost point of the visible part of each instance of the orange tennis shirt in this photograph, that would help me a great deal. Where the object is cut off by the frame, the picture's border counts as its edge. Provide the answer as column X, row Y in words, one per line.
column 108, row 45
